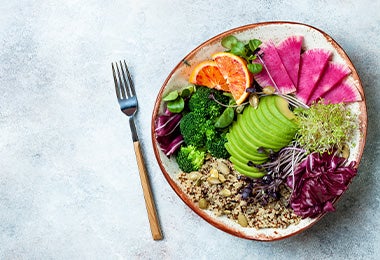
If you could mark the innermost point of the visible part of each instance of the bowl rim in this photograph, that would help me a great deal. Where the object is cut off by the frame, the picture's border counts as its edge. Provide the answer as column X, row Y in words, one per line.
column 213, row 219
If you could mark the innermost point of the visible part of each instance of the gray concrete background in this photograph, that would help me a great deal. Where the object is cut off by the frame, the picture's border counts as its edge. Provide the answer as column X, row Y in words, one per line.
column 69, row 187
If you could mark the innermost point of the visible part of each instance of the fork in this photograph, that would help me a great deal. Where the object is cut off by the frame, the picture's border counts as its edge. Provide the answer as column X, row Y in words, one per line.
column 126, row 96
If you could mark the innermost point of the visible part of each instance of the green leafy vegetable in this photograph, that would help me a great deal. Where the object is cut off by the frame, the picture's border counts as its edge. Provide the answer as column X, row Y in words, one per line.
column 188, row 91
column 254, row 44
column 176, row 106
column 239, row 49
column 171, row 96
column 245, row 50
column 324, row 127
column 229, row 41
column 175, row 99
column 255, row 67
column 225, row 118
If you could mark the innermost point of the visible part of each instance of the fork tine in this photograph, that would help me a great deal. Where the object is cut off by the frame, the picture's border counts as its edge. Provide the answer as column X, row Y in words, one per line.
column 127, row 85
column 122, row 86
column 132, row 86
column 117, row 89
column 125, row 80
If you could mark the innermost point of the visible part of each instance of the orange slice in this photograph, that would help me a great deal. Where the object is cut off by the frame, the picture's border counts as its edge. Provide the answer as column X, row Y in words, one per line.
column 234, row 70
column 208, row 74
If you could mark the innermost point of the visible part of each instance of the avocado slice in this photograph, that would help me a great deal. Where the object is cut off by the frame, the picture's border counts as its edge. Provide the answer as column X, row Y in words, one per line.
column 264, row 130
column 255, row 138
column 267, row 115
column 246, row 170
column 268, row 122
column 278, row 108
column 236, row 138
column 284, row 129
column 243, row 156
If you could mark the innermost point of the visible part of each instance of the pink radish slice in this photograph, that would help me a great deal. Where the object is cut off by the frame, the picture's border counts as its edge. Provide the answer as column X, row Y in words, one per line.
column 345, row 92
column 333, row 75
column 312, row 63
column 277, row 71
column 289, row 51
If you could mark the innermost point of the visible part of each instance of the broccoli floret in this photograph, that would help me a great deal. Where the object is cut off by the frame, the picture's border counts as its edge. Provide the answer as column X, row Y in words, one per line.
column 203, row 101
column 191, row 127
column 198, row 126
column 190, row 158
column 215, row 145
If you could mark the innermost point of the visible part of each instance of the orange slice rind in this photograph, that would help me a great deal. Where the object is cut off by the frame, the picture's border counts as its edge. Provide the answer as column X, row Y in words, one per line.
column 234, row 70
column 208, row 74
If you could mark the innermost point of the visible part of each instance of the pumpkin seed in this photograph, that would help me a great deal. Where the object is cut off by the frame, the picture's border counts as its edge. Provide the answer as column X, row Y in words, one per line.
column 222, row 168
column 213, row 180
column 225, row 192
column 221, row 178
column 239, row 109
column 242, row 220
column 194, row 176
column 345, row 151
column 214, row 173
column 269, row 90
column 253, row 100
column 203, row 203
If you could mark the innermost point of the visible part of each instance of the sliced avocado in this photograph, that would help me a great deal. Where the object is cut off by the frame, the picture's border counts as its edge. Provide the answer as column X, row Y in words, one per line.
column 278, row 107
column 244, row 143
column 267, row 116
column 254, row 125
column 283, row 106
column 243, row 155
column 244, row 147
column 264, row 120
column 254, row 115
column 246, row 170
column 284, row 129
column 263, row 140
column 244, row 165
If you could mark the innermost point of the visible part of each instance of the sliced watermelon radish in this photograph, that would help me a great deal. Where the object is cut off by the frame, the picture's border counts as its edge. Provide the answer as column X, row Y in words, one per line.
column 271, row 61
column 333, row 75
column 290, row 53
column 346, row 92
column 312, row 63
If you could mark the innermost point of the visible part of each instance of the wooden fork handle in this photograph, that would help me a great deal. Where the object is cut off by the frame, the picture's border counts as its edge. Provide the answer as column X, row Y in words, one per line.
column 148, row 195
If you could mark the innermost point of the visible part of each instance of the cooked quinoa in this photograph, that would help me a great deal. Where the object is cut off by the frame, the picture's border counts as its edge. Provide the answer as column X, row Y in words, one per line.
column 217, row 187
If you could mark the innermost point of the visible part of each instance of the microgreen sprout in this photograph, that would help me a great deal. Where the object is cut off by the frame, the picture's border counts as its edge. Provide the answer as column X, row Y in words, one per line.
column 175, row 99
column 248, row 51
column 230, row 104
column 324, row 127
column 278, row 168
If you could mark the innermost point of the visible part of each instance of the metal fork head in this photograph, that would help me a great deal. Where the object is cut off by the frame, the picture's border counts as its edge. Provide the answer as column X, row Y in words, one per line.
column 124, row 87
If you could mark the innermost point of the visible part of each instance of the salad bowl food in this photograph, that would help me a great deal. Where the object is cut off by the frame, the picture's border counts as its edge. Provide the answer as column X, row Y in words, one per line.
column 284, row 137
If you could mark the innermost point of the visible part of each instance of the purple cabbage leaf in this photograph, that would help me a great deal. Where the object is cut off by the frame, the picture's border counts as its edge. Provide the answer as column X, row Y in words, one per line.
column 167, row 132
column 317, row 182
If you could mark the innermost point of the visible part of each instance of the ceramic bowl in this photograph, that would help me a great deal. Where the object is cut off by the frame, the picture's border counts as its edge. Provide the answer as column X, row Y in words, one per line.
column 275, row 31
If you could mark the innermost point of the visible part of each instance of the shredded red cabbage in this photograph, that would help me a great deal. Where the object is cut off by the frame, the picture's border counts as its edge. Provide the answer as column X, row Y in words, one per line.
column 317, row 181
column 167, row 131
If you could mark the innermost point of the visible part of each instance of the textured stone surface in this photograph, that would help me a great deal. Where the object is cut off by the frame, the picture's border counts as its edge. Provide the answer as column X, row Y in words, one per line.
column 69, row 187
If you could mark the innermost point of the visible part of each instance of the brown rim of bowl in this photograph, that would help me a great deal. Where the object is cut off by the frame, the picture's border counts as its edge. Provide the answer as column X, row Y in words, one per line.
column 213, row 220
